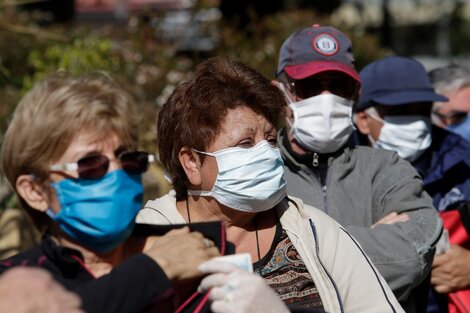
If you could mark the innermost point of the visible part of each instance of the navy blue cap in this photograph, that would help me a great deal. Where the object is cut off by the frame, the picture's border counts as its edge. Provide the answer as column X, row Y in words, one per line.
column 395, row 81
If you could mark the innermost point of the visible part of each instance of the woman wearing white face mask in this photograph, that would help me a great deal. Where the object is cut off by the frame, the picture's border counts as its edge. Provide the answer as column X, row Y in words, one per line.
column 217, row 139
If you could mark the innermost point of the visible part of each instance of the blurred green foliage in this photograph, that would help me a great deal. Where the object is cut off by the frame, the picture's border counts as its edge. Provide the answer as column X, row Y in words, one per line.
column 79, row 56
column 260, row 49
column 143, row 62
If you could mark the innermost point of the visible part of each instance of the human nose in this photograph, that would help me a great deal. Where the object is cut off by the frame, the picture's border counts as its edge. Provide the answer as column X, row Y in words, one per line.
column 114, row 163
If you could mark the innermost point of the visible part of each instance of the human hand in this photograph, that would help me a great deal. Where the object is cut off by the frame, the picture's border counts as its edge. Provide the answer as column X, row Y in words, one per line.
column 234, row 290
column 32, row 290
column 451, row 270
column 179, row 253
column 392, row 218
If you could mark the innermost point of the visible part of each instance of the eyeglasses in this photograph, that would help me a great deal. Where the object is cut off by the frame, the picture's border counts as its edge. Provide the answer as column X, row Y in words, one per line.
column 343, row 86
column 96, row 166
column 450, row 118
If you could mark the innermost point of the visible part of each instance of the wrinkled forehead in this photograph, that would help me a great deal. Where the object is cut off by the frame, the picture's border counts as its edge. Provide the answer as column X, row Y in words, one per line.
column 244, row 118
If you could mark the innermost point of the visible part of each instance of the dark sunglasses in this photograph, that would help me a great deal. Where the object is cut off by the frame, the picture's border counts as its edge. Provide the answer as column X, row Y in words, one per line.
column 96, row 166
column 343, row 86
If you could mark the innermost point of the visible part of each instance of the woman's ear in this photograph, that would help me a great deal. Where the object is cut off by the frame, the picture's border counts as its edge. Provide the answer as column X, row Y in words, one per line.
column 31, row 192
column 191, row 164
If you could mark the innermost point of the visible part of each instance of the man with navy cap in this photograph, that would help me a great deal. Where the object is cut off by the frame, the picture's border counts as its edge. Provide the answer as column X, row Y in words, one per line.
column 394, row 113
column 374, row 194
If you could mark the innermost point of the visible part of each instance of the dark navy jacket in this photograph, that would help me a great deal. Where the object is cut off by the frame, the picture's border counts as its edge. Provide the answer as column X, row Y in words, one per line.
column 131, row 287
column 445, row 168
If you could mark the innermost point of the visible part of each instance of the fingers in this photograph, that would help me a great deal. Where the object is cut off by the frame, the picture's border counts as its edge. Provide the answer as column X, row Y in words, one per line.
column 202, row 241
column 70, row 300
column 208, row 243
column 58, row 299
column 443, row 289
column 439, row 260
column 223, row 299
column 212, row 252
column 392, row 218
column 211, row 281
column 451, row 270
column 171, row 251
column 221, row 306
column 400, row 218
column 36, row 290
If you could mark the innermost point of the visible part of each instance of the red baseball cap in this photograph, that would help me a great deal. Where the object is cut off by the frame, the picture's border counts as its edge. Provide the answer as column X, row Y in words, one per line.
column 317, row 49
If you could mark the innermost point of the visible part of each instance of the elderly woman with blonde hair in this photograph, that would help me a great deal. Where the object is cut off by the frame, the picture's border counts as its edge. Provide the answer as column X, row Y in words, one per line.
column 217, row 141
column 70, row 153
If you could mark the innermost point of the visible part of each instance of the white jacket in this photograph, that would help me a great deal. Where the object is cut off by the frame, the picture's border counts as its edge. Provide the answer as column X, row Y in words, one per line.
column 345, row 277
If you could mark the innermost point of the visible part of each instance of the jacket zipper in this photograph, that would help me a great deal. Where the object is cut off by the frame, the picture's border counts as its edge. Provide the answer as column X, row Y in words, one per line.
column 321, row 177
column 317, row 249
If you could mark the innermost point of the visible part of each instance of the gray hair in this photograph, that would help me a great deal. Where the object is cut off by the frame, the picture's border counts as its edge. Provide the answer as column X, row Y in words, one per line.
column 449, row 78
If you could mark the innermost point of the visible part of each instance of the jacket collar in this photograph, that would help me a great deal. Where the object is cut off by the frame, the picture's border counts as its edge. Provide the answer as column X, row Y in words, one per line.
column 69, row 261
column 297, row 161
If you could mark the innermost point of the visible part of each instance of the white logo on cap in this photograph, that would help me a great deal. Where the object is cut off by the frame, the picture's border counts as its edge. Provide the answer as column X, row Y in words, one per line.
column 325, row 44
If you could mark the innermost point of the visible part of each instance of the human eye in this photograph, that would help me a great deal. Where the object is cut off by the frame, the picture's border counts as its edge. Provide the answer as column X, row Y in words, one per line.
column 272, row 140
column 246, row 143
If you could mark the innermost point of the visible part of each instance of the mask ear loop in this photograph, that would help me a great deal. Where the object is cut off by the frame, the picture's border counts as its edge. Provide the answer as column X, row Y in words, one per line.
column 286, row 93
column 289, row 100
column 167, row 177
column 373, row 114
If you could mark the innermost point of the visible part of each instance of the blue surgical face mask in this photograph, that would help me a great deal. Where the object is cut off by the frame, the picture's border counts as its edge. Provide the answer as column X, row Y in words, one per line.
column 99, row 213
column 249, row 179
column 462, row 128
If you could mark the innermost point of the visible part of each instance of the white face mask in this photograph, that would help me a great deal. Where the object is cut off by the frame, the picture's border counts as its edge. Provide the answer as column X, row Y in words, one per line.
column 249, row 179
column 322, row 123
column 408, row 135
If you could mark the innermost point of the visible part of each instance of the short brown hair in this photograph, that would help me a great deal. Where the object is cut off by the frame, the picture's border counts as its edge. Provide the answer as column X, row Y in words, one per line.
column 194, row 112
column 52, row 113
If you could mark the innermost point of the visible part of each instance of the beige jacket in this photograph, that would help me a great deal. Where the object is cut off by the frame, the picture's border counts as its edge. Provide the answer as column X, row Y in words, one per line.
column 345, row 277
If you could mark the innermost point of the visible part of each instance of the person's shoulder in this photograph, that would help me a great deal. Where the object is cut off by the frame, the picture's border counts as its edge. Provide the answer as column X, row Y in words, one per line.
column 375, row 158
column 167, row 200
column 159, row 211
column 306, row 211
column 372, row 153
column 444, row 139
column 30, row 257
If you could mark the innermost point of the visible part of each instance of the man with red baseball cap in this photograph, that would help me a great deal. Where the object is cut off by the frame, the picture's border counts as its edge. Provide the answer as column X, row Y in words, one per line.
column 377, row 196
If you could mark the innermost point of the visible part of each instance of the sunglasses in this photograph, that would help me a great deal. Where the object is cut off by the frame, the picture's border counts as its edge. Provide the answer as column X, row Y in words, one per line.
column 343, row 86
column 96, row 166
